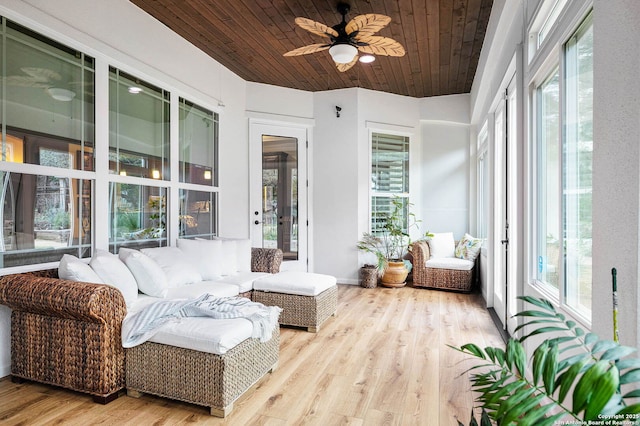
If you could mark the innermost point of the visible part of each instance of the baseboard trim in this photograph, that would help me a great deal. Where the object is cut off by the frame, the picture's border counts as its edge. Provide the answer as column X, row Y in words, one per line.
column 498, row 323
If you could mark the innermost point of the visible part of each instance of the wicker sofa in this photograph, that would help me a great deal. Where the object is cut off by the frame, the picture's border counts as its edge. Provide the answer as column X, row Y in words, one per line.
column 68, row 333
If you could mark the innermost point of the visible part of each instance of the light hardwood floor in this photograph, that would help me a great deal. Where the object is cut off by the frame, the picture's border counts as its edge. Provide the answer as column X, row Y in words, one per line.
column 382, row 360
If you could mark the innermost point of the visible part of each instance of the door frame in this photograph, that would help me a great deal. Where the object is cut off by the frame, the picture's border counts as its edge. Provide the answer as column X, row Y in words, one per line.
column 288, row 126
column 507, row 197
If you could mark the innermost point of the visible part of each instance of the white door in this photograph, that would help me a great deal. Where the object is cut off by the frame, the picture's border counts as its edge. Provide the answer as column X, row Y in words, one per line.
column 278, row 164
column 501, row 228
column 506, row 225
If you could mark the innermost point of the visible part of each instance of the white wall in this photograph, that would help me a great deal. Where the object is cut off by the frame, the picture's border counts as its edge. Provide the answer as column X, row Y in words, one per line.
column 616, row 166
column 445, row 165
column 335, row 184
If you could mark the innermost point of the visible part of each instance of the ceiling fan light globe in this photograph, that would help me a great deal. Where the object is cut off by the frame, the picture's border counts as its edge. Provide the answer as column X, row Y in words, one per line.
column 60, row 94
column 343, row 53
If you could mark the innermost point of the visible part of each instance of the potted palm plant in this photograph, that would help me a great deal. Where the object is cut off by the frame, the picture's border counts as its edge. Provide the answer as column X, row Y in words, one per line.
column 574, row 378
column 391, row 242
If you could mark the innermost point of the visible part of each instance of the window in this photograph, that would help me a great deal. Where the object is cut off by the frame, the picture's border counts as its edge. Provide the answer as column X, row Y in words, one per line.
column 389, row 176
column 198, row 214
column 198, row 144
column 546, row 17
column 564, row 174
column 548, row 202
column 47, row 122
column 138, row 127
column 138, row 216
column 483, row 183
column 577, row 166
column 47, row 115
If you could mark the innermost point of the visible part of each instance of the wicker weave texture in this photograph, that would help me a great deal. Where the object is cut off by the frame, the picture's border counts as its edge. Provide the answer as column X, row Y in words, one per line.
column 201, row 378
column 266, row 260
column 301, row 311
column 438, row 278
column 65, row 333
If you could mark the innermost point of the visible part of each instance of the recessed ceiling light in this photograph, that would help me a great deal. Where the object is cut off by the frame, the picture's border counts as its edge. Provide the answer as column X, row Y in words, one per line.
column 367, row 59
column 135, row 89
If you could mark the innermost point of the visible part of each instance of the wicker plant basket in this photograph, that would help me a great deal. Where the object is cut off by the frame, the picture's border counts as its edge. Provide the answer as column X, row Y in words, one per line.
column 369, row 276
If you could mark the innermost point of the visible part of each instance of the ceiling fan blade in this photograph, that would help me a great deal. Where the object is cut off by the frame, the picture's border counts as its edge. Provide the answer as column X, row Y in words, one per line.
column 345, row 67
column 367, row 24
column 377, row 45
column 41, row 74
column 24, row 81
column 312, row 48
column 316, row 27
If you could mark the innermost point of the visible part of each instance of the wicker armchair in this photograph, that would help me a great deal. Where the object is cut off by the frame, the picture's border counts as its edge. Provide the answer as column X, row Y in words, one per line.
column 65, row 333
column 438, row 278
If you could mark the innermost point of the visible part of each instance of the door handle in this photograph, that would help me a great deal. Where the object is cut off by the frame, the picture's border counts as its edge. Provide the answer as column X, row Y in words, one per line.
column 257, row 222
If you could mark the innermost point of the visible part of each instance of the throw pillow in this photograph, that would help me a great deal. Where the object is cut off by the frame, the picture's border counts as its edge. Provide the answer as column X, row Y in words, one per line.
column 74, row 269
column 205, row 254
column 468, row 247
column 148, row 274
column 116, row 274
column 176, row 265
column 442, row 245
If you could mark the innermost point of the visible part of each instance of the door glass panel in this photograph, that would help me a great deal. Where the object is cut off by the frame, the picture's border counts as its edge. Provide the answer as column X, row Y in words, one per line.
column 280, row 194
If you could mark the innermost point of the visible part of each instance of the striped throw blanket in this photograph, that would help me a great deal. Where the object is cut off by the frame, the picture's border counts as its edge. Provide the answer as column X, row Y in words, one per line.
column 139, row 327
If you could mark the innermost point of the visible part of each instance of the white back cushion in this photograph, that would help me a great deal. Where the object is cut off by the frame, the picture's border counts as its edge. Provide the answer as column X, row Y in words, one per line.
column 74, row 269
column 177, row 267
column 115, row 273
column 229, row 257
column 243, row 251
column 205, row 254
column 148, row 274
column 442, row 245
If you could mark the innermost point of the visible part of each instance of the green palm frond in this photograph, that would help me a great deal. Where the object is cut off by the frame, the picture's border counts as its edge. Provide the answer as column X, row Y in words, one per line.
column 571, row 375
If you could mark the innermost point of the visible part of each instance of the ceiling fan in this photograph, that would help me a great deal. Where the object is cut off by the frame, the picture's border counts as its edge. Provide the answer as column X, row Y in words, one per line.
column 346, row 39
column 51, row 81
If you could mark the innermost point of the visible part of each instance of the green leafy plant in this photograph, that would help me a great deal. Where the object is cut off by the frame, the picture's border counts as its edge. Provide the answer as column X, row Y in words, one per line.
column 391, row 242
column 574, row 376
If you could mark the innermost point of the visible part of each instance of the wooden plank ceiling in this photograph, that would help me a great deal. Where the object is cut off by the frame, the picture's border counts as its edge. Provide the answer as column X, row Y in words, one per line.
column 442, row 39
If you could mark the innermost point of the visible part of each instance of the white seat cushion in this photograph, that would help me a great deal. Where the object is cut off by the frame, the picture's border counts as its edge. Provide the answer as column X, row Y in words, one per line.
column 243, row 280
column 203, row 334
column 449, row 263
column 195, row 290
column 293, row 282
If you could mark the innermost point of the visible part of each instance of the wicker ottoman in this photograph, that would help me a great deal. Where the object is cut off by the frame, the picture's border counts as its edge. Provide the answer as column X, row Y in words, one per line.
column 203, row 378
column 306, row 299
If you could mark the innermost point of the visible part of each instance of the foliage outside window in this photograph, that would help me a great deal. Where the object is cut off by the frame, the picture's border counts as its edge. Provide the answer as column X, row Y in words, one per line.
column 138, row 216
column 138, row 127
column 198, row 214
column 564, row 167
column 389, row 178
column 47, row 114
column 198, row 144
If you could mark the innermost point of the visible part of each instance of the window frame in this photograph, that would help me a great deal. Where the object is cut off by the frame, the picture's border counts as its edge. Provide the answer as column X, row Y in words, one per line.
column 404, row 195
column 543, row 62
